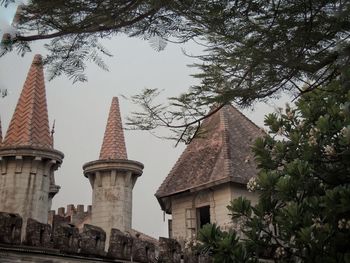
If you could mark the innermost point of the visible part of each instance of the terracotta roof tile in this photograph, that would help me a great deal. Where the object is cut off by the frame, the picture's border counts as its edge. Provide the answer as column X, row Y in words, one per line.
column 222, row 153
column 113, row 146
column 29, row 125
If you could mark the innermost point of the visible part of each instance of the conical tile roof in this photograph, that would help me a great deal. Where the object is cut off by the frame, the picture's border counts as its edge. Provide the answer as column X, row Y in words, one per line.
column 221, row 154
column 29, row 125
column 113, row 146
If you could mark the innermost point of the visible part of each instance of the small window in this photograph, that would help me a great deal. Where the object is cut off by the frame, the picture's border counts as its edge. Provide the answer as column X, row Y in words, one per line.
column 203, row 216
column 170, row 228
column 190, row 218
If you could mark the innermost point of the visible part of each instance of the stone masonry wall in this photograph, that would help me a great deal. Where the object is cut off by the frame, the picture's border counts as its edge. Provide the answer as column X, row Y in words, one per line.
column 112, row 200
column 24, row 186
column 72, row 215
column 65, row 240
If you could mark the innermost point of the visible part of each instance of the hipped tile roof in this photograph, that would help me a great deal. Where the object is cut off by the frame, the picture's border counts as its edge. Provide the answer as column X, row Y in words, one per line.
column 221, row 154
column 113, row 146
column 29, row 125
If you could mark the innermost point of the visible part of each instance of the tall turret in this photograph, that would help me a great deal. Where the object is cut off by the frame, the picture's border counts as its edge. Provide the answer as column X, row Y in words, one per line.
column 112, row 178
column 27, row 157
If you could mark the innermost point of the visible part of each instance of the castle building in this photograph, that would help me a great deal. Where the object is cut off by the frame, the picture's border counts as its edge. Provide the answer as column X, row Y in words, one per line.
column 27, row 157
column 112, row 178
column 213, row 170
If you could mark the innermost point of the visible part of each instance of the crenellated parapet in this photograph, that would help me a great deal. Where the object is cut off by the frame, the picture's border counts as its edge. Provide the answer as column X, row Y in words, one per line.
column 65, row 239
column 76, row 215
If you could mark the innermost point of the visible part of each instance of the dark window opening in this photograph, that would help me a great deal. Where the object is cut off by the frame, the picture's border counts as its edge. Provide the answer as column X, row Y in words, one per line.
column 203, row 215
column 97, row 242
column 125, row 249
column 41, row 236
column 170, row 228
column 13, row 231
column 70, row 239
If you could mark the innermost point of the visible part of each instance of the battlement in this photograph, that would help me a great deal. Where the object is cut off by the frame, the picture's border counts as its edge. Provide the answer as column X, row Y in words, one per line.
column 62, row 237
column 73, row 215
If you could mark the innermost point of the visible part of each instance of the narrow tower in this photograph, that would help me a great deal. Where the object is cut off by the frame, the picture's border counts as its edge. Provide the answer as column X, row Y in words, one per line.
column 112, row 178
column 27, row 157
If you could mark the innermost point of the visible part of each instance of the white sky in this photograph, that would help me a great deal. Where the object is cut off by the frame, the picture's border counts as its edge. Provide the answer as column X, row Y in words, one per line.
column 81, row 111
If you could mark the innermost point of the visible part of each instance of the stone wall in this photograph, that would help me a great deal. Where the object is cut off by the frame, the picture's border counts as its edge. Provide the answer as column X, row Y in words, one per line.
column 65, row 240
column 73, row 215
column 112, row 200
column 10, row 228
column 184, row 208
column 25, row 183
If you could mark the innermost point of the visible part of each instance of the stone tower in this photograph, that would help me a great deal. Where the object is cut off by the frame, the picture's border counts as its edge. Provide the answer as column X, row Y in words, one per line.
column 112, row 178
column 27, row 157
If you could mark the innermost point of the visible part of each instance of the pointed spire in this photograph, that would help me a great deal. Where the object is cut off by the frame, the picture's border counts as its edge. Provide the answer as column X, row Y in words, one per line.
column 29, row 125
column 113, row 146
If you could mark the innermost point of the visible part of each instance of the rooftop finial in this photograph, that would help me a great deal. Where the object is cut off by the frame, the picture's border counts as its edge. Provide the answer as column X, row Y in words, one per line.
column 38, row 59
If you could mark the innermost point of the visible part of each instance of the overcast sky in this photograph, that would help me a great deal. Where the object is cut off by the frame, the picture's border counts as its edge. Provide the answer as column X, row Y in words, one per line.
column 81, row 112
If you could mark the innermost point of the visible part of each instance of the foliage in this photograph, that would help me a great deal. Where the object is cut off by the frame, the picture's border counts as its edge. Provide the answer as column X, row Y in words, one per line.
column 303, row 211
column 76, row 26
column 223, row 245
column 257, row 48
column 254, row 49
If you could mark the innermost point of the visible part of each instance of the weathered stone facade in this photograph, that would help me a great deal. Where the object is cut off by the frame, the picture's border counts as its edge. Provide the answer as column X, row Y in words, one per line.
column 65, row 240
column 26, row 177
column 185, row 213
column 73, row 215
column 10, row 228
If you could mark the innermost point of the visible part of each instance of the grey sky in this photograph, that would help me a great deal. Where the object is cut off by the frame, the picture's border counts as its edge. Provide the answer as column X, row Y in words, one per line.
column 81, row 111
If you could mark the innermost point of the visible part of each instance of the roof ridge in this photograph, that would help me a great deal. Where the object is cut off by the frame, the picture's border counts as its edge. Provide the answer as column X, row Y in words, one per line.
column 29, row 125
column 225, row 145
column 113, row 145
column 249, row 120
column 185, row 152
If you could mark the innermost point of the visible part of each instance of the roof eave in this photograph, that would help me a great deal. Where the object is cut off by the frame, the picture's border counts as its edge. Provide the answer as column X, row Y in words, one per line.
column 163, row 199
